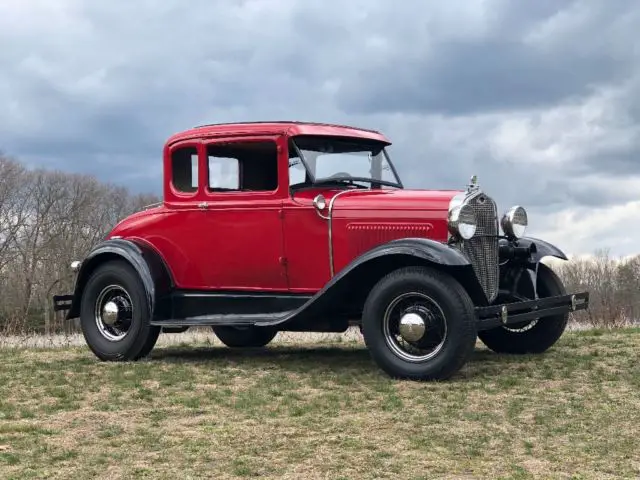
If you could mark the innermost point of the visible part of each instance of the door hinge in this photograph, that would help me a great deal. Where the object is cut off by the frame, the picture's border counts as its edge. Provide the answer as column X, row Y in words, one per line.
column 281, row 213
column 283, row 261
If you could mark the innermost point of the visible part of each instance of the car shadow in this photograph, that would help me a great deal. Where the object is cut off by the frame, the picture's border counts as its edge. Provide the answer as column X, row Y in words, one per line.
column 296, row 358
column 311, row 354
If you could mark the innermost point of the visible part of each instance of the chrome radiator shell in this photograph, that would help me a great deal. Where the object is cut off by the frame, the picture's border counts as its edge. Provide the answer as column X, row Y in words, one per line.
column 482, row 249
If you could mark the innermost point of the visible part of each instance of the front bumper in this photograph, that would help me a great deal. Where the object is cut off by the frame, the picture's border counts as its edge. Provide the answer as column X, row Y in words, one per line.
column 518, row 312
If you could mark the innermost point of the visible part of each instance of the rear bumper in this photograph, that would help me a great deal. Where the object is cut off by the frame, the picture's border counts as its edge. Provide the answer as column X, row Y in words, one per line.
column 62, row 302
column 513, row 313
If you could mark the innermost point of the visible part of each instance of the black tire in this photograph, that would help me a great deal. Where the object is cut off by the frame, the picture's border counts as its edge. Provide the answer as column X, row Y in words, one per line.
column 444, row 295
column 139, row 336
column 245, row 337
column 542, row 335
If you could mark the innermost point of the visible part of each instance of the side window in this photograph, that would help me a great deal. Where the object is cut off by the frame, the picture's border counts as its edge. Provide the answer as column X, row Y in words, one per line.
column 224, row 173
column 243, row 166
column 184, row 169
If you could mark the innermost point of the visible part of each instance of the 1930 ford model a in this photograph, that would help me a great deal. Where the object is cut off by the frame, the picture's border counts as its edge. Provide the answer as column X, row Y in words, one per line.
column 290, row 226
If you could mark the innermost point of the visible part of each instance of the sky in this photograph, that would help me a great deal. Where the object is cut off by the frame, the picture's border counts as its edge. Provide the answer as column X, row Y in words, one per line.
column 540, row 99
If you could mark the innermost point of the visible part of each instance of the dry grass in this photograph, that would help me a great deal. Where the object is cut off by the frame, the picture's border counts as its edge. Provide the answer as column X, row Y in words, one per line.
column 321, row 410
column 195, row 335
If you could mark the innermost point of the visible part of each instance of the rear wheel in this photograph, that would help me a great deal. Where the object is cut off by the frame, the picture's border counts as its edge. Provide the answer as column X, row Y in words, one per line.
column 419, row 323
column 533, row 336
column 114, row 315
column 245, row 337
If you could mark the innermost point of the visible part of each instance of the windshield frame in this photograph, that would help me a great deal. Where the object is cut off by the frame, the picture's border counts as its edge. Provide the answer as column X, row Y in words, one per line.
column 374, row 183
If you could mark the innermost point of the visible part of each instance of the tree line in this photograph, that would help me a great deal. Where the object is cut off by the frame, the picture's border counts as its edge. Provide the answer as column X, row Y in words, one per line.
column 47, row 220
column 613, row 285
column 50, row 218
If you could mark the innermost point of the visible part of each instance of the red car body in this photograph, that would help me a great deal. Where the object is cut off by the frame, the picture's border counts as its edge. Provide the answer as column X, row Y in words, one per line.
column 240, row 243
column 275, row 241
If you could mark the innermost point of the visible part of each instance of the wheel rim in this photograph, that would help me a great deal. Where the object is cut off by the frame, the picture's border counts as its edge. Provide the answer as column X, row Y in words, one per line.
column 525, row 326
column 415, row 327
column 519, row 296
column 113, row 313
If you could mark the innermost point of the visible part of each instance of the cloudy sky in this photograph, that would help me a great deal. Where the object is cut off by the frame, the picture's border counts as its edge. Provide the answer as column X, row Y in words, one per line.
column 539, row 98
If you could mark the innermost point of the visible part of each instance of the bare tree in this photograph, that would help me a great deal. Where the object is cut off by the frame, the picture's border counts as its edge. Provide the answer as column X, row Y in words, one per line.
column 13, row 199
column 48, row 219
column 613, row 284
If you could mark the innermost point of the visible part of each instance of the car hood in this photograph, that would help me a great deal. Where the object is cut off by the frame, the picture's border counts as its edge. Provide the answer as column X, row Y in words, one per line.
column 382, row 199
column 364, row 219
column 395, row 200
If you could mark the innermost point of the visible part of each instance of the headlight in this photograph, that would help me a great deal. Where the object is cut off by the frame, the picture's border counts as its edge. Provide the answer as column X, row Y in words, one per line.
column 462, row 221
column 514, row 222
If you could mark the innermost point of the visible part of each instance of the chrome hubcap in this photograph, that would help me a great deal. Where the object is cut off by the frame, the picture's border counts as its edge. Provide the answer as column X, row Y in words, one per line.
column 415, row 327
column 110, row 313
column 113, row 313
column 411, row 327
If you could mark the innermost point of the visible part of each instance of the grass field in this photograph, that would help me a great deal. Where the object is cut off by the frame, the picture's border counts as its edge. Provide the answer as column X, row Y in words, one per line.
column 321, row 411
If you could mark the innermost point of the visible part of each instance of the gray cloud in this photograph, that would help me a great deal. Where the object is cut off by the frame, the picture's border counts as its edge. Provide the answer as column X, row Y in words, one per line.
column 540, row 99
column 534, row 56
column 471, row 77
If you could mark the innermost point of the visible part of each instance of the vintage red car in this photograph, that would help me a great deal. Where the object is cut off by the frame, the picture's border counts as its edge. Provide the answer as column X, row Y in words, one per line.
column 292, row 226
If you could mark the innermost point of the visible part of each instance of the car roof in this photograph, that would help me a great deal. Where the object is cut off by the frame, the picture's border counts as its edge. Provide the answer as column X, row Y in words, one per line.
column 291, row 128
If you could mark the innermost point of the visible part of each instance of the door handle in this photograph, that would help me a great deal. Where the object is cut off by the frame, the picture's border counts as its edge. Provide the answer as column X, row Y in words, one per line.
column 203, row 205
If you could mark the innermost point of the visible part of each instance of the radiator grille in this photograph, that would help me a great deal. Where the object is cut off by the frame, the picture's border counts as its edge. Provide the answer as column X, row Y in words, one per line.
column 482, row 249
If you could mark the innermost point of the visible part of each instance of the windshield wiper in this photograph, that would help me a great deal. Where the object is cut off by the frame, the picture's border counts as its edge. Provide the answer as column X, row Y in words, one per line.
column 338, row 182
column 350, row 180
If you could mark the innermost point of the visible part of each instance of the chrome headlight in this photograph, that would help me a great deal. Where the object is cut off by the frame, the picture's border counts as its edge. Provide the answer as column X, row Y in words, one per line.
column 462, row 221
column 514, row 222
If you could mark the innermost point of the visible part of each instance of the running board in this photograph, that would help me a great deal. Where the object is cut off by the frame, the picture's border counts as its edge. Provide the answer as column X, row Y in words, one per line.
column 228, row 319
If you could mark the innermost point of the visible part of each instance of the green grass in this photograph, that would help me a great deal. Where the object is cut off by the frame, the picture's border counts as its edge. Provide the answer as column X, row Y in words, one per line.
column 322, row 411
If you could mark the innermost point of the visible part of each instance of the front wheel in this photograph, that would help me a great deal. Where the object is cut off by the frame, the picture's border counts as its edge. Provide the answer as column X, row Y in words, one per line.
column 534, row 336
column 114, row 315
column 418, row 323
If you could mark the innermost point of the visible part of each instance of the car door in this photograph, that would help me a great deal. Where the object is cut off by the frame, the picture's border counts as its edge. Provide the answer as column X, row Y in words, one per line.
column 242, row 217
column 306, row 234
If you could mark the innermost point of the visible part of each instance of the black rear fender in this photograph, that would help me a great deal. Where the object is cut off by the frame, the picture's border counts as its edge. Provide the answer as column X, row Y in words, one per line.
column 146, row 261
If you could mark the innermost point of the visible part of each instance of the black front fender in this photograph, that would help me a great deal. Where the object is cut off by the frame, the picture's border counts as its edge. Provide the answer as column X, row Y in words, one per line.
column 146, row 261
column 411, row 251
column 346, row 292
column 540, row 249
column 430, row 250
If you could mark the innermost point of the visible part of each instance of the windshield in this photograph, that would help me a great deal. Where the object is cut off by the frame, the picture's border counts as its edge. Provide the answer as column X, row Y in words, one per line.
column 329, row 160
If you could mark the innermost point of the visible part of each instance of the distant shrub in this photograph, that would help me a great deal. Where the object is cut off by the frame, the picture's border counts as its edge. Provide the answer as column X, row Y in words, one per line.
column 614, row 286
